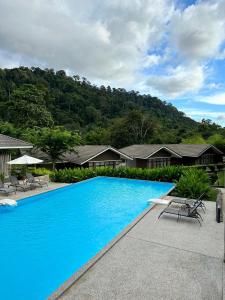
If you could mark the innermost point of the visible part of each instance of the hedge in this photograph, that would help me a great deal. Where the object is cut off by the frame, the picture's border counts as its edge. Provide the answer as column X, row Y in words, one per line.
column 190, row 182
column 166, row 174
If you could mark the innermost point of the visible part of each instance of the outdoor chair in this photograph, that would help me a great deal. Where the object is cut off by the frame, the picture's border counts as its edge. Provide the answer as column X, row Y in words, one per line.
column 31, row 180
column 183, row 211
column 24, row 187
column 7, row 189
column 189, row 202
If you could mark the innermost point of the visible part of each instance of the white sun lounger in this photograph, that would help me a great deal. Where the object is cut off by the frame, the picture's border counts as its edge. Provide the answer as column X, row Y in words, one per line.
column 159, row 201
column 8, row 202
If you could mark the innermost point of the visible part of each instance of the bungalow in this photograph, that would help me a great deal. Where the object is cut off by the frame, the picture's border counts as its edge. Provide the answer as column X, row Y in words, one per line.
column 7, row 145
column 88, row 156
column 156, row 155
column 95, row 156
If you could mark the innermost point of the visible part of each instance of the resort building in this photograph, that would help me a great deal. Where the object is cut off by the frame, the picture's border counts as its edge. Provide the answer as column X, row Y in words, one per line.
column 7, row 145
column 95, row 156
column 89, row 156
column 156, row 155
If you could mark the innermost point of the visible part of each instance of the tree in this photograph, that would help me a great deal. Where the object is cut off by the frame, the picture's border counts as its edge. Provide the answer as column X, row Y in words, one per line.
column 194, row 139
column 135, row 128
column 27, row 107
column 92, row 115
column 32, row 97
column 8, row 129
column 55, row 142
column 217, row 140
column 97, row 136
column 208, row 128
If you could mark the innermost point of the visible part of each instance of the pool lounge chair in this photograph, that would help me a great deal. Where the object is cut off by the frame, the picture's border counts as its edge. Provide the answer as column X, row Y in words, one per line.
column 7, row 189
column 189, row 202
column 15, row 183
column 183, row 211
column 31, row 179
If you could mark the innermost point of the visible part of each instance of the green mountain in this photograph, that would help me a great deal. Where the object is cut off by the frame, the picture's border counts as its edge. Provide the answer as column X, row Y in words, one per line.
column 32, row 97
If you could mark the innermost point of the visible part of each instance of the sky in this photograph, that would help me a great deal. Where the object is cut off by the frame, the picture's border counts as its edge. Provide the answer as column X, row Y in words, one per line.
column 172, row 49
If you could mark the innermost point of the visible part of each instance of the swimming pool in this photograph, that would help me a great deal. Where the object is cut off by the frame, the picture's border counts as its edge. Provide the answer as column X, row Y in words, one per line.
column 48, row 237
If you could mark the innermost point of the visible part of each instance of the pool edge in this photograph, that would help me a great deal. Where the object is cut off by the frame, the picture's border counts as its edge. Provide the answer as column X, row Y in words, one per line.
column 76, row 276
column 57, row 188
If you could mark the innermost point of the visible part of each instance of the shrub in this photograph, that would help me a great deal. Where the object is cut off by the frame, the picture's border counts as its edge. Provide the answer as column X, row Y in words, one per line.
column 166, row 174
column 192, row 183
column 19, row 171
column 2, row 176
column 40, row 171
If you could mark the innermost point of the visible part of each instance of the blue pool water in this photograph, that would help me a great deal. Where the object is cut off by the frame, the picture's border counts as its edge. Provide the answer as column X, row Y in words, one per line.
column 48, row 237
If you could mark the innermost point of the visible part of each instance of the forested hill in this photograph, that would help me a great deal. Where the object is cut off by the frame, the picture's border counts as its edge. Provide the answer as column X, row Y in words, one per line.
column 45, row 98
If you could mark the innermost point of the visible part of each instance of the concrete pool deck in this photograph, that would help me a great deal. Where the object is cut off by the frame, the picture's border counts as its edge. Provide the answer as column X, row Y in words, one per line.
column 159, row 259
column 20, row 194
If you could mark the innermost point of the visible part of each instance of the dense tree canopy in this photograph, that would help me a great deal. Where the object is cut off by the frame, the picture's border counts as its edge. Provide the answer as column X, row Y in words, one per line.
column 31, row 99
column 26, row 107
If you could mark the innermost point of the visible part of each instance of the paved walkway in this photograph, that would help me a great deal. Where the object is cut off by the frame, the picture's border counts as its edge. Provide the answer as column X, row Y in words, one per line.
column 159, row 260
column 20, row 194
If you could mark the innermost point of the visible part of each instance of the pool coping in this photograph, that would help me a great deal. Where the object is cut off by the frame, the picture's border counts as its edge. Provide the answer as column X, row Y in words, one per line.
column 57, row 188
column 75, row 277
column 86, row 267
column 42, row 192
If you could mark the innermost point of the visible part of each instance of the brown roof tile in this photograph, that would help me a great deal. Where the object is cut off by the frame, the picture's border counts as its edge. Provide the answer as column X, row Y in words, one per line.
column 146, row 150
column 7, row 142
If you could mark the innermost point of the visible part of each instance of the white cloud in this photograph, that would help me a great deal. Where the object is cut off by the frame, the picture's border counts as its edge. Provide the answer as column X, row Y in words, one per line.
column 196, row 35
column 8, row 61
column 109, row 41
column 199, row 114
column 103, row 40
column 218, row 99
column 151, row 60
column 221, row 117
column 204, row 113
column 199, row 31
column 214, row 85
column 179, row 81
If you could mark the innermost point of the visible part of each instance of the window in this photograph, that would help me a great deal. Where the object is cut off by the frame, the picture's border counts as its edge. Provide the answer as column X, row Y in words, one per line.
column 158, row 162
column 205, row 159
column 103, row 163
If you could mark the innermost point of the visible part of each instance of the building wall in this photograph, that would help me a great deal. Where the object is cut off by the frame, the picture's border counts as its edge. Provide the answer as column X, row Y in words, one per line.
column 4, row 158
column 131, row 163
column 182, row 161
column 188, row 161
column 108, row 158
column 210, row 157
column 213, row 157
column 141, row 163
column 107, row 155
column 162, row 153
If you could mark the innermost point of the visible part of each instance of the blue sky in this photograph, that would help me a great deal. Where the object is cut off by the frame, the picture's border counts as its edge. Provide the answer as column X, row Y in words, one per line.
column 169, row 48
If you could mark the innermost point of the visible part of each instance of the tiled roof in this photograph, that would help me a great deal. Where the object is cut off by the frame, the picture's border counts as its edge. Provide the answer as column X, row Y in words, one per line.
column 81, row 154
column 193, row 150
column 141, row 151
column 84, row 153
column 146, row 150
column 7, row 142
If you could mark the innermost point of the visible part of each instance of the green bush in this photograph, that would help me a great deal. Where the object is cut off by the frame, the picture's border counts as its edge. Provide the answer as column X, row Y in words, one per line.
column 167, row 174
column 2, row 176
column 19, row 171
column 40, row 171
column 192, row 183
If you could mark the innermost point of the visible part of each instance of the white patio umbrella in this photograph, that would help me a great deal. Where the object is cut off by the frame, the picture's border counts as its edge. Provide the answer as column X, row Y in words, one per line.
column 25, row 160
